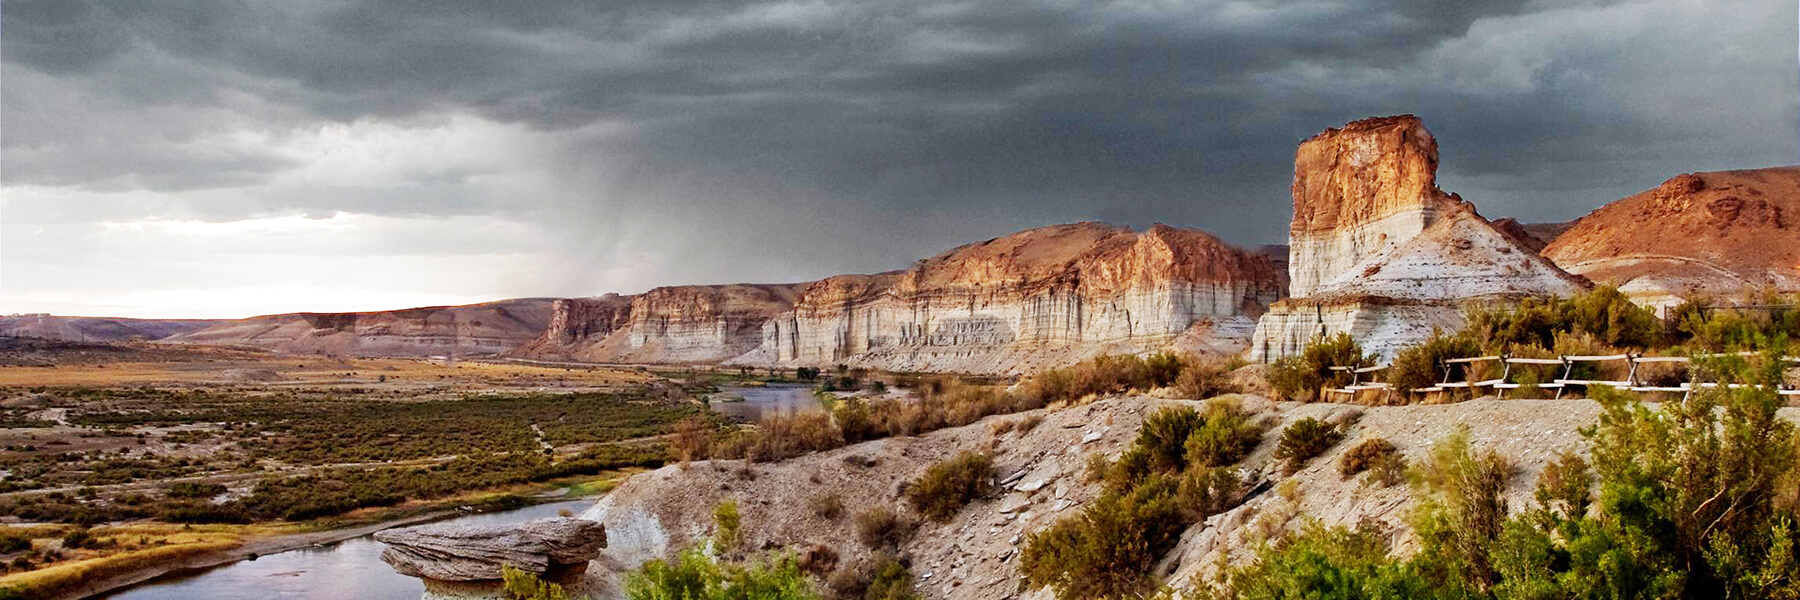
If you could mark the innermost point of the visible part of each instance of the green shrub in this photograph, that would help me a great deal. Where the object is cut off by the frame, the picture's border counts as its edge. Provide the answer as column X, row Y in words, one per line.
column 880, row 528
column 1226, row 437
column 1301, row 377
column 1107, row 551
column 10, row 543
column 78, row 538
column 949, row 485
column 1319, row 563
column 1460, row 514
column 727, row 526
column 1164, row 437
column 525, row 585
column 891, row 580
column 692, row 575
column 1202, row 380
column 882, row 577
column 1205, row 492
column 1303, row 440
column 782, row 437
column 1420, row 366
column 1162, row 368
column 1603, row 312
column 1367, row 454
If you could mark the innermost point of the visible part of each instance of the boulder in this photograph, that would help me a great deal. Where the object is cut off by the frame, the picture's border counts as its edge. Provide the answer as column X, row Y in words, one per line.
column 458, row 552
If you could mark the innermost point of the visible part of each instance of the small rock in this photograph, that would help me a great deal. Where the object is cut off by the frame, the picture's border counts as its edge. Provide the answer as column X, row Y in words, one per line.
column 1033, row 486
column 1091, row 437
column 1014, row 503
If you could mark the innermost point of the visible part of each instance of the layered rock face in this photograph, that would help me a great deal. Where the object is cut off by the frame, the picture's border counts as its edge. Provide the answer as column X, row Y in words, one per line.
column 1720, row 233
column 676, row 324
column 1385, row 255
column 454, row 552
column 474, row 329
column 1037, row 298
column 1358, row 191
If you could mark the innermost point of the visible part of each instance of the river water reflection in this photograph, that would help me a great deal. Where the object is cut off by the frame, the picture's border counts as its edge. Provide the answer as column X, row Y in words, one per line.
column 348, row 569
column 768, row 400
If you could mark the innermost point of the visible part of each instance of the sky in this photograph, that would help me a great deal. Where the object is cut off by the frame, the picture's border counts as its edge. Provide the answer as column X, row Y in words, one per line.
column 226, row 159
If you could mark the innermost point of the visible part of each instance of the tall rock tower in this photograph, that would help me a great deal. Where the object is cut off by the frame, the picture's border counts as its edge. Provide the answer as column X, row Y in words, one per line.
column 1379, row 252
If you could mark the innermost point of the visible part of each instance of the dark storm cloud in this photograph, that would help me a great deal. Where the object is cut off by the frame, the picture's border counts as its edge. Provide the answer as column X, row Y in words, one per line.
column 859, row 135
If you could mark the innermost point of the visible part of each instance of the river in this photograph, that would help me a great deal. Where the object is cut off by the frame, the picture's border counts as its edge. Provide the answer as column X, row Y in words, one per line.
column 767, row 400
column 348, row 569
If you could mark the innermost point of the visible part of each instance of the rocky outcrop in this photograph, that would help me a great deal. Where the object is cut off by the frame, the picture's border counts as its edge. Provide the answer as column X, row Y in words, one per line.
column 1718, row 233
column 1037, row 298
column 474, row 329
column 676, row 324
column 454, row 552
column 1358, row 191
column 1041, row 297
column 1382, row 254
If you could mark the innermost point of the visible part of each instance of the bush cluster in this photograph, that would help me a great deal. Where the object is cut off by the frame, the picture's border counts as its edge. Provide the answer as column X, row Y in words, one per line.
column 1117, row 374
column 1369, row 453
column 1174, row 474
column 1690, row 499
column 949, row 485
column 1301, row 377
column 692, row 574
column 880, row 528
column 1303, row 440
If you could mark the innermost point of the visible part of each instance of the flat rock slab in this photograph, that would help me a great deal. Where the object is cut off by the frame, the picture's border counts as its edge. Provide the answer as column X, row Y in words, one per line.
column 455, row 552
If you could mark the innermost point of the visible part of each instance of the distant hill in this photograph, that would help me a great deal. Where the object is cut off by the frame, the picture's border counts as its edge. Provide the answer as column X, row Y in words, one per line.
column 474, row 329
column 97, row 329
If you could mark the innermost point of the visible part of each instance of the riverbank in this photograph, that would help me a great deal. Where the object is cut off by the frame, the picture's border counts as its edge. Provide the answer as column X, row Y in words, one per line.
column 196, row 547
column 135, row 570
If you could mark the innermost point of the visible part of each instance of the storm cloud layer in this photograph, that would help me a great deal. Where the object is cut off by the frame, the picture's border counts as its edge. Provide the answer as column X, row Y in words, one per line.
column 233, row 158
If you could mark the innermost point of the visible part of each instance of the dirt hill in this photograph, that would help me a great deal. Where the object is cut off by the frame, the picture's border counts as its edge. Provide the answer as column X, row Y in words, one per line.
column 1720, row 233
column 974, row 555
column 474, row 329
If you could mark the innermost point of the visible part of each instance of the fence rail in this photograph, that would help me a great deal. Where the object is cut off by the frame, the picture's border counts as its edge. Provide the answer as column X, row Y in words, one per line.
column 1504, row 382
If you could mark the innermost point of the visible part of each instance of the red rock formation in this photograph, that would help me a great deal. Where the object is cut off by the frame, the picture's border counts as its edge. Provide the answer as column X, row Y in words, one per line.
column 1717, row 233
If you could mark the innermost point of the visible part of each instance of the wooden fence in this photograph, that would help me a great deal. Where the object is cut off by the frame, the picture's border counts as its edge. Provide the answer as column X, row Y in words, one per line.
column 1504, row 382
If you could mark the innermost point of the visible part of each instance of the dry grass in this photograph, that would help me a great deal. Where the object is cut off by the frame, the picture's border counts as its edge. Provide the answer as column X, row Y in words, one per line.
column 169, row 543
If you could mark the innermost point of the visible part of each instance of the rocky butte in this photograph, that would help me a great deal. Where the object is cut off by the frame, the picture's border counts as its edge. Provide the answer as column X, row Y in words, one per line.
column 1379, row 252
column 1036, row 298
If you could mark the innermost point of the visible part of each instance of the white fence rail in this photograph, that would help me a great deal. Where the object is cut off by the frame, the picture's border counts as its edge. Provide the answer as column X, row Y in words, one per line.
column 1504, row 382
